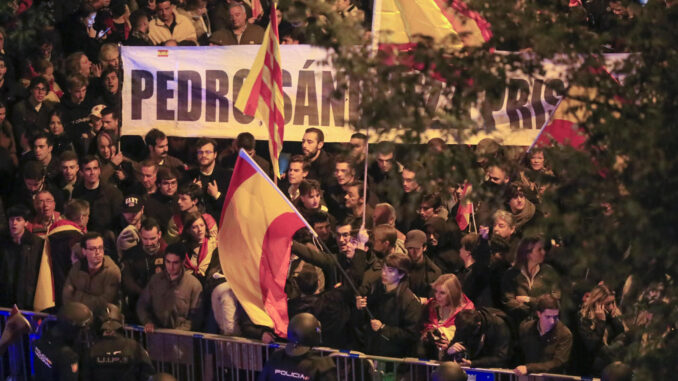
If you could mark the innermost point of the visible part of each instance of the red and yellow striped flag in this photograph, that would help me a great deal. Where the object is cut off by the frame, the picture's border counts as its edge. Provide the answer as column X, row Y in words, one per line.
column 465, row 209
column 255, row 238
column 44, row 289
column 261, row 95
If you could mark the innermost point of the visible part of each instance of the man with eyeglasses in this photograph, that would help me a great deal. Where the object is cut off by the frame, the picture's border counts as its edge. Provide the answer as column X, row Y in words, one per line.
column 29, row 115
column 212, row 178
column 95, row 279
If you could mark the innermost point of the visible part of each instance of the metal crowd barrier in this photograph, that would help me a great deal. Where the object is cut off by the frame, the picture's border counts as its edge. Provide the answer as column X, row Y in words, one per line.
column 197, row 356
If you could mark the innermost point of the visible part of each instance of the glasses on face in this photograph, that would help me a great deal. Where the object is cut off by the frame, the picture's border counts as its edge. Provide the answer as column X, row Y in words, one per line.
column 40, row 89
column 98, row 249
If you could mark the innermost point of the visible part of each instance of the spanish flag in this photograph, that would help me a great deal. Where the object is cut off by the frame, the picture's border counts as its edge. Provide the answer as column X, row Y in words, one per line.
column 399, row 21
column 563, row 126
column 261, row 94
column 255, row 238
column 44, row 289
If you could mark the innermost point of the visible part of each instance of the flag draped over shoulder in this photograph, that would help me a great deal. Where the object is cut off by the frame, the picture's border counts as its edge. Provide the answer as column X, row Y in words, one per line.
column 44, row 291
column 261, row 94
column 255, row 238
column 401, row 20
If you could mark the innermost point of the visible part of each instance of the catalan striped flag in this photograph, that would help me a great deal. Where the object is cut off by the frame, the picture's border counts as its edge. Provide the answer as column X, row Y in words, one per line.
column 261, row 95
column 401, row 20
column 44, row 290
column 255, row 238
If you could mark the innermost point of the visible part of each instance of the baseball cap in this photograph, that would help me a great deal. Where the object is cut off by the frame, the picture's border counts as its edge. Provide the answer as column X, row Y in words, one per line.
column 415, row 238
column 132, row 204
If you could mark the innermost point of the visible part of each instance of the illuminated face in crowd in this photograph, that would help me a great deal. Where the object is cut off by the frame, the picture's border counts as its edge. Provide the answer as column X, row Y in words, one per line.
column 55, row 125
column 497, row 175
column 502, row 228
column 238, row 17
column 168, row 187
column 42, row 149
column 296, row 173
column 150, row 240
column 311, row 200
column 537, row 161
column 38, row 93
column 343, row 237
column 94, row 250
column 409, row 182
column 111, row 82
column 185, row 202
column 69, row 170
column 415, row 252
column 517, row 203
column 112, row 59
column 206, row 155
column 426, row 211
column 173, row 264
column 160, row 149
column 548, row 319
column 85, row 66
column 17, row 226
column 110, row 123
column 164, row 11
column 323, row 229
column 357, row 147
column 343, row 173
column 310, row 145
column 385, row 161
column 352, row 198
column 390, row 275
column 91, row 172
column 199, row 229
column 78, row 94
column 442, row 296
column 536, row 256
column 149, row 177
column 44, row 204
column 105, row 147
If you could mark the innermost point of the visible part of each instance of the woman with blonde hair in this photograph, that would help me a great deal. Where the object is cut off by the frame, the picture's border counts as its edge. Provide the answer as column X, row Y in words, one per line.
column 440, row 314
column 599, row 326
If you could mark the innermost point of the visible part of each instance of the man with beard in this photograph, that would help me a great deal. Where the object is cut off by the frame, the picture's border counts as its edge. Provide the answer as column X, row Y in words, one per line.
column 141, row 262
column 69, row 172
column 158, row 151
column 322, row 165
column 492, row 192
column 212, row 178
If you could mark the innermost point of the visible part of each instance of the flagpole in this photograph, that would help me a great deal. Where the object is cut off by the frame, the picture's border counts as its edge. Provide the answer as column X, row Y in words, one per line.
column 376, row 25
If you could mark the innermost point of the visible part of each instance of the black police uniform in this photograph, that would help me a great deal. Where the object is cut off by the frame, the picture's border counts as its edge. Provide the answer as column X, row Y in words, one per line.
column 54, row 360
column 309, row 366
column 117, row 358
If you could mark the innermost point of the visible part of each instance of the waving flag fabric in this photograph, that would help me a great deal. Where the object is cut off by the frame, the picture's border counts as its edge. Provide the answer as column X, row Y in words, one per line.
column 401, row 20
column 261, row 94
column 465, row 209
column 562, row 127
column 255, row 237
column 44, row 289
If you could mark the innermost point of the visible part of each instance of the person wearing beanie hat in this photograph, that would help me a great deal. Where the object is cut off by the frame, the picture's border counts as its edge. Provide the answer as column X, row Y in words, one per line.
column 392, row 326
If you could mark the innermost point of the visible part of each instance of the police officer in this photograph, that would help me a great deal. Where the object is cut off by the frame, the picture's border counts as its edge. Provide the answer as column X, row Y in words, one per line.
column 113, row 356
column 298, row 361
column 57, row 353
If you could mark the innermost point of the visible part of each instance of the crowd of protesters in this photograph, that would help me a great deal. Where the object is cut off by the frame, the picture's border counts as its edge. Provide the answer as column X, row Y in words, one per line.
column 133, row 221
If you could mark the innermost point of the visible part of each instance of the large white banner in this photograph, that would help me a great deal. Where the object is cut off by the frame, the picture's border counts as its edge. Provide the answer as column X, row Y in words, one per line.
column 190, row 91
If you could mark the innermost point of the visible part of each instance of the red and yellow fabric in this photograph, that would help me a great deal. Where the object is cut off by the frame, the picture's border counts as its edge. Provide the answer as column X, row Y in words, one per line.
column 465, row 209
column 44, row 291
column 401, row 20
column 261, row 95
column 255, row 238
column 563, row 125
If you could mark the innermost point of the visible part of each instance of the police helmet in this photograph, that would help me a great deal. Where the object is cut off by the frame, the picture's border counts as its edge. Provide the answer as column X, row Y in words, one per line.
column 110, row 318
column 74, row 316
column 303, row 333
column 449, row 371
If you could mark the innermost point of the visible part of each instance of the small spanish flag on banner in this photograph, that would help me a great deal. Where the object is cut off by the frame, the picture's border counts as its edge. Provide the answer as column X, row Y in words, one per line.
column 255, row 238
